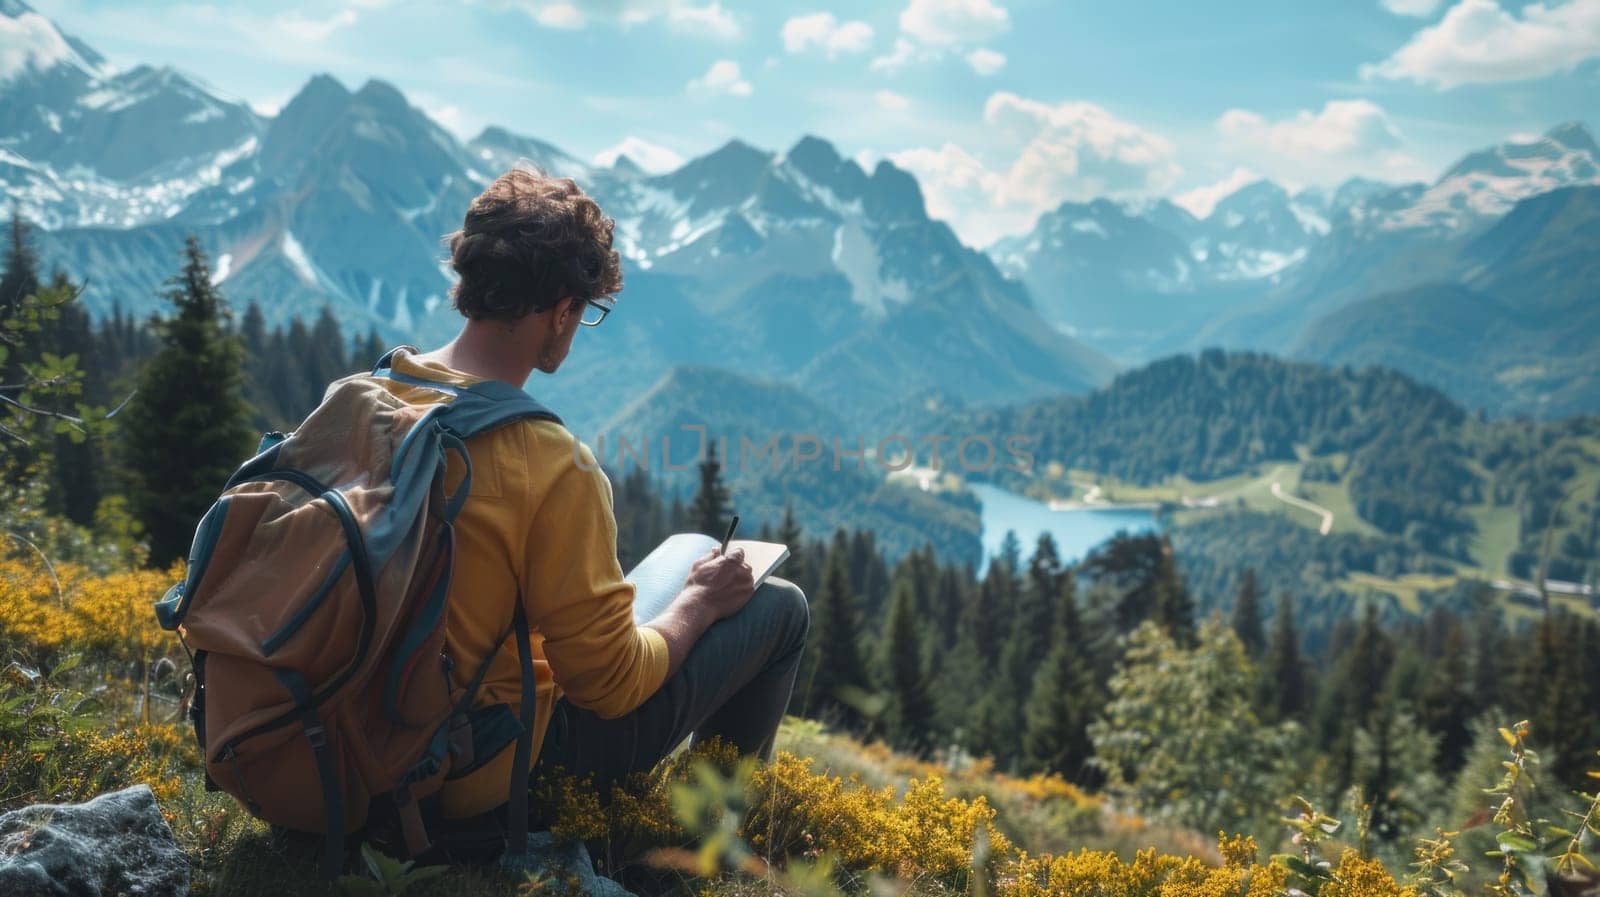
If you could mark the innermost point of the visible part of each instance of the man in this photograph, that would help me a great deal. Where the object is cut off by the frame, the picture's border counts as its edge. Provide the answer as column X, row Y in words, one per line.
column 619, row 685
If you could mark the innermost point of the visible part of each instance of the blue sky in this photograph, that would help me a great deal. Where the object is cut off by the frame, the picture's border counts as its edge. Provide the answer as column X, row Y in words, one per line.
column 1003, row 108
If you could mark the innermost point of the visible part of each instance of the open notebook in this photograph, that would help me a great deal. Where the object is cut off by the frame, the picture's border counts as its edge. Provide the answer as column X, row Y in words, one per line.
column 660, row 576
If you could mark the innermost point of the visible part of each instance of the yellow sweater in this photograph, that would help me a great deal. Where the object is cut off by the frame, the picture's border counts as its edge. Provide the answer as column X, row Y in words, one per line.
column 538, row 524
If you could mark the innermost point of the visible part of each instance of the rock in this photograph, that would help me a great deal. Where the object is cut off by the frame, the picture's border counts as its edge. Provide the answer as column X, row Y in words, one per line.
column 117, row 843
column 567, row 861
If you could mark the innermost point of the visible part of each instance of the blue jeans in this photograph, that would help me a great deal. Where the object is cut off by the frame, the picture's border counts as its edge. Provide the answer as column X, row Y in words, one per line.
column 734, row 685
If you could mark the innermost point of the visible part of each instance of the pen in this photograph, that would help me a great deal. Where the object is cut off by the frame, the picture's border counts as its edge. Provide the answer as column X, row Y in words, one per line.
column 732, row 525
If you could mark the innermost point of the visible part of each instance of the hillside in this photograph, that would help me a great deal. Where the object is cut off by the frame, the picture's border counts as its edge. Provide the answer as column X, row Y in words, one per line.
column 1519, row 336
column 838, row 806
column 1512, row 222
column 1386, row 457
column 778, row 450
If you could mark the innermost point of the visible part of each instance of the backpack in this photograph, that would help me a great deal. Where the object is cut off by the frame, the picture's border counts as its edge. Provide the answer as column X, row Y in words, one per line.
column 314, row 607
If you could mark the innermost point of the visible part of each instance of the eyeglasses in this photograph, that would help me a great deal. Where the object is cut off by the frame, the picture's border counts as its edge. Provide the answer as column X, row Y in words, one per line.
column 596, row 310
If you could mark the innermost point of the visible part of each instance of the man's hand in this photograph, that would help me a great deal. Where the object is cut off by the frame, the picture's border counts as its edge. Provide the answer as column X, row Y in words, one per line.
column 723, row 583
column 717, row 587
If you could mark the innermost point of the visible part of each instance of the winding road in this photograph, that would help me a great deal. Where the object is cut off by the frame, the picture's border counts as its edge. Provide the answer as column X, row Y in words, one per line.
column 1297, row 501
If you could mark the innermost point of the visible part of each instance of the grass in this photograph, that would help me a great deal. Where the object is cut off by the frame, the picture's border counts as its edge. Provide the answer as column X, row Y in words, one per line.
column 1496, row 539
column 1406, row 590
column 1173, row 490
column 239, row 857
column 1044, row 814
column 1336, row 498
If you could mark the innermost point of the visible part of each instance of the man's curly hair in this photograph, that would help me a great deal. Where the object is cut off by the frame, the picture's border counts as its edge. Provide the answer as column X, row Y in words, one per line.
column 529, row 241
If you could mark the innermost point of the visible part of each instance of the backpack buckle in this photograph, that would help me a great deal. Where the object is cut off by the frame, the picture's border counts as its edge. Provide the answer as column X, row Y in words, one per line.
column 317, row 735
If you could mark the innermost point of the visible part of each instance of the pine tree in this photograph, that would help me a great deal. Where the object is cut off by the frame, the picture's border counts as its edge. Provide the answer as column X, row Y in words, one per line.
column 303, row 391
column 1354, row 692
column 365, row 351
column 969, row 668
column 1551, row 680
column 24, row 459
column 253, row 332
column 678, row 514
column 911, row 710
column 1247, row 616
column 1366, row 666
column 709, row 510
column 1031, row 626
column 74, row 488
column 1010, row 552
column 258, row 388
column 837, row 675
column 1174, row 604
column 1285, row 672
column 21, row 276
column 641, row 517
column 187, row 427
column 950, row 597
column 18, row 280
column 869, row 576
column 985, row 723
column 1446, row 705
column 1060, row 704
column 1142, row 567
column 790, row 534
column 327, row 360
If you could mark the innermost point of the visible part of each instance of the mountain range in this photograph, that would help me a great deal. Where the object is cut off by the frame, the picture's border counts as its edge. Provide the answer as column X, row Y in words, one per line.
column 801, row 269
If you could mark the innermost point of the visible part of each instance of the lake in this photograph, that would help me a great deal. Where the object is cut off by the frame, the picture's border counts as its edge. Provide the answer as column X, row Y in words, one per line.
column 1076, row 531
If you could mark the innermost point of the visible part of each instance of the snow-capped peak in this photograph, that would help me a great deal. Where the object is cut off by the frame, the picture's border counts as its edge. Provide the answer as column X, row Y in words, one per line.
column 1487, row 183
column 31, row 44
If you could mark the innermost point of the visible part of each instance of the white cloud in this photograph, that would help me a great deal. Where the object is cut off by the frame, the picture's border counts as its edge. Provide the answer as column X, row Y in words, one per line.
column 559, row 15
column 722, row 78
column 953, row 22
column 934, row 29
column 1344, row 138
column 1053, row 152
column 1201, row 200
column 1417, row 8
column 314, row 31
column 29, row 42
column 823, row 31
column 652, row 157
column 985, row 61
column 1343, row 126
column 1479, row 42
column 890, row 101
column 902, row 55
column 710, row 20
column 959, row 188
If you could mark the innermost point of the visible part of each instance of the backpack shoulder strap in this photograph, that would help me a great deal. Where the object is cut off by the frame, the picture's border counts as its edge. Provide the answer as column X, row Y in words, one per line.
column 492, row 403
column 477, row 408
